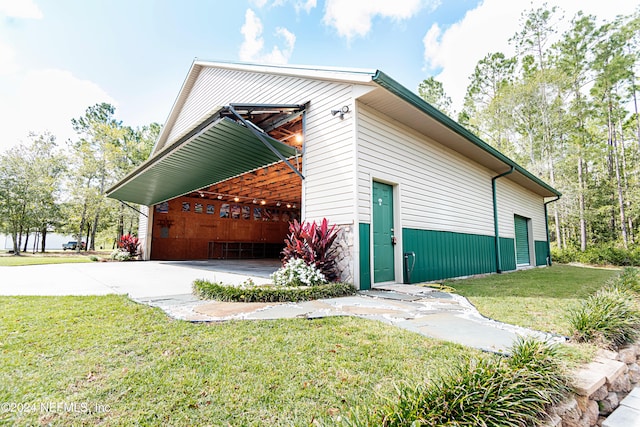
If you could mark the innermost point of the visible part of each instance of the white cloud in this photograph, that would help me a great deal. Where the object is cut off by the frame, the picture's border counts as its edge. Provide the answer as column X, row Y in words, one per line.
column 252, row 32
column 253, row 44
column 39, row 100
column 352, row 18
column 299, row 5
column 8, row 63
column 281, row 56
column 456, row 50
column 259, row 3
column 305, row 5
column 45, row 100
column 24, row 9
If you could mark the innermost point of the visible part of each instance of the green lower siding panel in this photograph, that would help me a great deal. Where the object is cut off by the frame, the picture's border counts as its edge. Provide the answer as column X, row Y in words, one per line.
column 541, row 252
column 443, row 254
column 507, row 253
column 365, row 256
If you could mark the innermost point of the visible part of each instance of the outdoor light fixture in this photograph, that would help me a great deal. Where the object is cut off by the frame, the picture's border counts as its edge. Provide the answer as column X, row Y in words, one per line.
column 235, row 198
column 342, row 111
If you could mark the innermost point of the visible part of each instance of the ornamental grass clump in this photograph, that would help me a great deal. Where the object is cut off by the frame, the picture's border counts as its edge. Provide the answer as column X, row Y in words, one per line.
column 610, row 318
column 483, row 392
column 629, row 280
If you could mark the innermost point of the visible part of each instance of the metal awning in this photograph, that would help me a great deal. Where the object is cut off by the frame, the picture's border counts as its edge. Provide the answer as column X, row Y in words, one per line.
column 222, row 149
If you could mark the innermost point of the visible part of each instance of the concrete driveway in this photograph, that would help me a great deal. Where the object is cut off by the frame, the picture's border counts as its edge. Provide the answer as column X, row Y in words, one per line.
column 137, row 279
column 167, row 285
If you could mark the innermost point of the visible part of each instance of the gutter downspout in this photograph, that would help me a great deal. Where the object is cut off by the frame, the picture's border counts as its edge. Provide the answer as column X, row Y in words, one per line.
column 546, row 226
column 495, row 218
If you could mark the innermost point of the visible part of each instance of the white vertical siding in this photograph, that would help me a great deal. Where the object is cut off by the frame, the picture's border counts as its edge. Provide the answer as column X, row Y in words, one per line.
column 329, row 171
column 439, row 188
column 515, row 200
column 144, row 230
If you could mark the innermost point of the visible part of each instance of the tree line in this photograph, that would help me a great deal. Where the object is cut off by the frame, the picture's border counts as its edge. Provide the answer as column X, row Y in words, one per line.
column 565, row 107
column 47, row 187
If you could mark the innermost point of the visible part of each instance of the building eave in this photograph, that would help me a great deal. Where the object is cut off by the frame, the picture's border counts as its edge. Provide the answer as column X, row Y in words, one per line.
column 389, row 84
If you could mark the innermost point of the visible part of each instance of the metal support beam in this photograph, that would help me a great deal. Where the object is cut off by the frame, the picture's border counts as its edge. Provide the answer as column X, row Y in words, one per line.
column 131, row 207
column 260, row 136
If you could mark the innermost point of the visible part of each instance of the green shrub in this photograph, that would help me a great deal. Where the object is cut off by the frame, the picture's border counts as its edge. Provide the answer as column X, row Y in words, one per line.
column 483, row 392
column 604, row 254
column 94, row 258
column 269, row 293
column 564, row 256
column 610, row 317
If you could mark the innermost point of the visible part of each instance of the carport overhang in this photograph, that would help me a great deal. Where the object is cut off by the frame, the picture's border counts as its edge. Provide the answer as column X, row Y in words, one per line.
column 216, row 150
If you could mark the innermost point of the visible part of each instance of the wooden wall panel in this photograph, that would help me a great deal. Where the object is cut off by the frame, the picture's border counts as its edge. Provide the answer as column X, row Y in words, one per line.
column 180, row 234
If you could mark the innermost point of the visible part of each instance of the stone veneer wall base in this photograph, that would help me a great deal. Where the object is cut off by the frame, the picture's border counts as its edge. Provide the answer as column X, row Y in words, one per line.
column 602, row 392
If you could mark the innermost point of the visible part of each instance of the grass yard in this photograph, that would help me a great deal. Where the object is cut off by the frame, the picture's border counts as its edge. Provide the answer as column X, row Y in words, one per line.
column 538, row 298
column 37, row 259
column 115, row 362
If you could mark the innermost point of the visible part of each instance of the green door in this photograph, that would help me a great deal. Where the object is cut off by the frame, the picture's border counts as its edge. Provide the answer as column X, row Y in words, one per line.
column 383, row 234
column 522, row 240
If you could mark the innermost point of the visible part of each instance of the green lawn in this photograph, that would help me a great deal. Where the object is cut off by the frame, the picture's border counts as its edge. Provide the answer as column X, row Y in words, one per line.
column 141, row 368
column 538, row 298
column 29, row 259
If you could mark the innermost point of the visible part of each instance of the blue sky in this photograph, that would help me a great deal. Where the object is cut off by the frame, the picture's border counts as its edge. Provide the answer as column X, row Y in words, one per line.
column 57, row 57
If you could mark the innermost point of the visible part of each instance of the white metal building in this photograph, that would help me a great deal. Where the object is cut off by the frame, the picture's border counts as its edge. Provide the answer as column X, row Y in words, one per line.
column 418, row 197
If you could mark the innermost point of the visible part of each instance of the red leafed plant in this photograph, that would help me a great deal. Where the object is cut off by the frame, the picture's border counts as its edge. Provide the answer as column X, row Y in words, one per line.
column 313, row 243
column 130, row 244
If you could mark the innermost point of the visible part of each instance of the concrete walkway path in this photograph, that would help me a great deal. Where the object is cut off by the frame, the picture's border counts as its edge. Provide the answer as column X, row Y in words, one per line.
column 167, row 285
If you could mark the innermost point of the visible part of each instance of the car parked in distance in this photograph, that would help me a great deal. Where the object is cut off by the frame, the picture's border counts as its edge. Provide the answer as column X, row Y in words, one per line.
column 72, row 246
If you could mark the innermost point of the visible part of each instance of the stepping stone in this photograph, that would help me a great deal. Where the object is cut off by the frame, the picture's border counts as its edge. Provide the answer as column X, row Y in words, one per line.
column 391, row 295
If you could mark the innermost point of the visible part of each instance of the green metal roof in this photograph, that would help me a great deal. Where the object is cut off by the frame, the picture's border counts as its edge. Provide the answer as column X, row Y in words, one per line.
column 397, row 89
column 220, row 150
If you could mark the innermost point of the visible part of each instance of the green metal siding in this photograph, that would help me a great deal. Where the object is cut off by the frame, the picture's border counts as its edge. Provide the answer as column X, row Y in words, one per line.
column 443, row 254
column 222, row 150
column 541, row 252
column 507, row 253
column 365, row 256
column 522, row 240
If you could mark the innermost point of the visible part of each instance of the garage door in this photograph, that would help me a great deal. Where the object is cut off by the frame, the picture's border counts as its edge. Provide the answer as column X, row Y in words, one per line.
column 522, row 240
